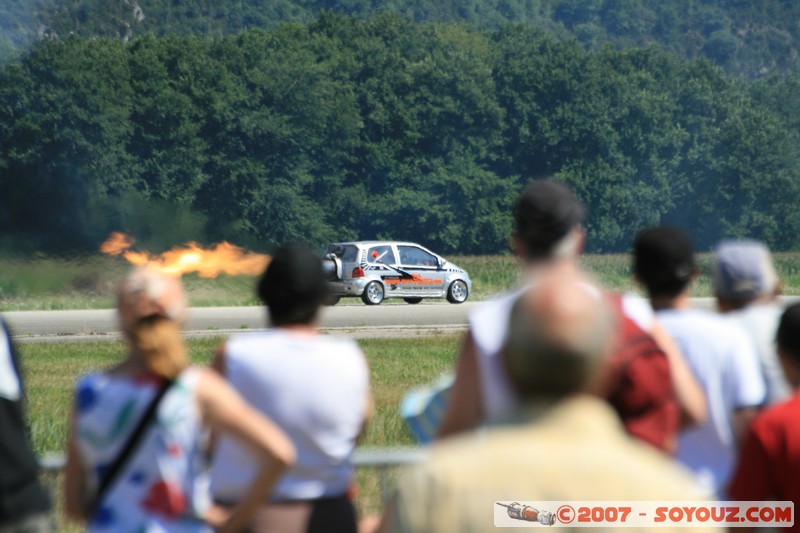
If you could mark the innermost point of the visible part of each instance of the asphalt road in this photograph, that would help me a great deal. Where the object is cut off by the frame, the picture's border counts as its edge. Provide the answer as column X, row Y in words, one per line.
column 387, row 320
column 357, row 320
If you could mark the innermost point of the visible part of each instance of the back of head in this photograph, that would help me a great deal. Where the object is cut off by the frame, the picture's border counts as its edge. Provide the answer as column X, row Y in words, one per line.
column 293, row 286
column 544, row 217
column 559, row 335
column 788, row 336
column 152, row 307
column 663, row 260
column 743, row 272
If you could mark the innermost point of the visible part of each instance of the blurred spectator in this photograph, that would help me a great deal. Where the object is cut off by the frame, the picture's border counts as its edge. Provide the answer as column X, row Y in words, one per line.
column 720, row 355
column 24, row 504
column 315, row 387
column 163, row 483
column 746, row 288
column 559, row 443
column 769, row 465
column 652, row 391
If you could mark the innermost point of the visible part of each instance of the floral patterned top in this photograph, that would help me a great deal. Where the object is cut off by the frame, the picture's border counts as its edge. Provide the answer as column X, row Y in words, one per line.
column 164, row 485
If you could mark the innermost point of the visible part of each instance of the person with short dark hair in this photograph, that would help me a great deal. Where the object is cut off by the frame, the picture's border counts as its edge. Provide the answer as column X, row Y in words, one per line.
column 547, row 222
column 746, row 288
column 24, row 502
column 720, row 355
column 664, row 262
column 293, row 287
column 549, row 238
column 769, row 463
column 316, row 388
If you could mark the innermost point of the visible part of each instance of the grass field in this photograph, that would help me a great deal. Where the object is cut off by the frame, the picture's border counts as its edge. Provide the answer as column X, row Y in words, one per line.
column 396, row 365
column 90, row 282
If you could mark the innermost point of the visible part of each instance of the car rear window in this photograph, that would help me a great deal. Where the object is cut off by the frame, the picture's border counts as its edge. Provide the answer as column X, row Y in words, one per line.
column 346, row 252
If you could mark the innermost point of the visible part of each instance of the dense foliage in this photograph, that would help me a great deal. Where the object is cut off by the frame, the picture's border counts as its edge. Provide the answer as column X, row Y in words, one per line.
column 350, row 128
column 747, row 38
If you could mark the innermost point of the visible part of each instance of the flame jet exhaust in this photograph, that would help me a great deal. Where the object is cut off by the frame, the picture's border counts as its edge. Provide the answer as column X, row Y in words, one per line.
column 221, row 258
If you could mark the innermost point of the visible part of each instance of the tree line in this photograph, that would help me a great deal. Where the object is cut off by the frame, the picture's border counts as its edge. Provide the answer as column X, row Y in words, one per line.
column 348, row 128
column 748, row 39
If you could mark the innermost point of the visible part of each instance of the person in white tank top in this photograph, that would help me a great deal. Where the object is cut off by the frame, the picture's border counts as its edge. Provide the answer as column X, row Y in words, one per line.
column 548, row 240
column 315, row 387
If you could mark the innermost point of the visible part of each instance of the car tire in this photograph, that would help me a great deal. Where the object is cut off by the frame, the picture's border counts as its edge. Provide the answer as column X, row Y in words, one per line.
column 373, row 293
column 457, row 292
column 413, row 300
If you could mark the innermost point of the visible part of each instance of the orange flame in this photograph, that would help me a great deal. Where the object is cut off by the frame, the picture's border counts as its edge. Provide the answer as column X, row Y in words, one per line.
column 222, row 258
column 116, row 244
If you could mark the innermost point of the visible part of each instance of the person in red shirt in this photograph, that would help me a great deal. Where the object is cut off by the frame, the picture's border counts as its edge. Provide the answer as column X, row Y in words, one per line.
column 769, row 463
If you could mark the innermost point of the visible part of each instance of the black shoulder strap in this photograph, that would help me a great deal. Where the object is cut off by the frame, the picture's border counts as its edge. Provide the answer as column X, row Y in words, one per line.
column 114, row 469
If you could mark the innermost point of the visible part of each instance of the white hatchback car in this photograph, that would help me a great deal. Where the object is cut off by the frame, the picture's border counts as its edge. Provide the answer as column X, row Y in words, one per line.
column 375, row 270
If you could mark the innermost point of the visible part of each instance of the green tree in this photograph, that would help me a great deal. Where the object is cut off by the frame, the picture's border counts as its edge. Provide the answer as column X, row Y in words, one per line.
column 280, row 136
column 64, row 116
column 168, row 79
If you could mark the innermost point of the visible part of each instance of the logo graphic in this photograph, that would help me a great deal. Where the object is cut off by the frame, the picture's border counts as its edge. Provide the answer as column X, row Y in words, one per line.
column 528, row 513
column 638, row 514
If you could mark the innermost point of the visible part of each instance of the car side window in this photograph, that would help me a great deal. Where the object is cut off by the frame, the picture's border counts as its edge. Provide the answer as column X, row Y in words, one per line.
column 413, row 256
column 380, row 254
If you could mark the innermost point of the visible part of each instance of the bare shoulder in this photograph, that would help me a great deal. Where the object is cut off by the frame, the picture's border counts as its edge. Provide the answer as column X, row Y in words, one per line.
column 208, row 378
column 211, row 386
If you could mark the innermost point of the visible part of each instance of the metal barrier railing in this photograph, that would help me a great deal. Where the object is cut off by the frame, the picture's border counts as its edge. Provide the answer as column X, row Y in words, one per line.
column 381, row 459
column 384, row 458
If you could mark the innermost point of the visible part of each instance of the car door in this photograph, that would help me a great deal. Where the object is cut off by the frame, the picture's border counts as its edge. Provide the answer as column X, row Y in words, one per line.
column 381, row 264
column 423, row 266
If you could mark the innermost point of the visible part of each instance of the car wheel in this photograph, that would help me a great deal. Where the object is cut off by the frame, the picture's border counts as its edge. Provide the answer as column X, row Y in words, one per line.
column 373, row 293
column 457, row 292
column 412, row 300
